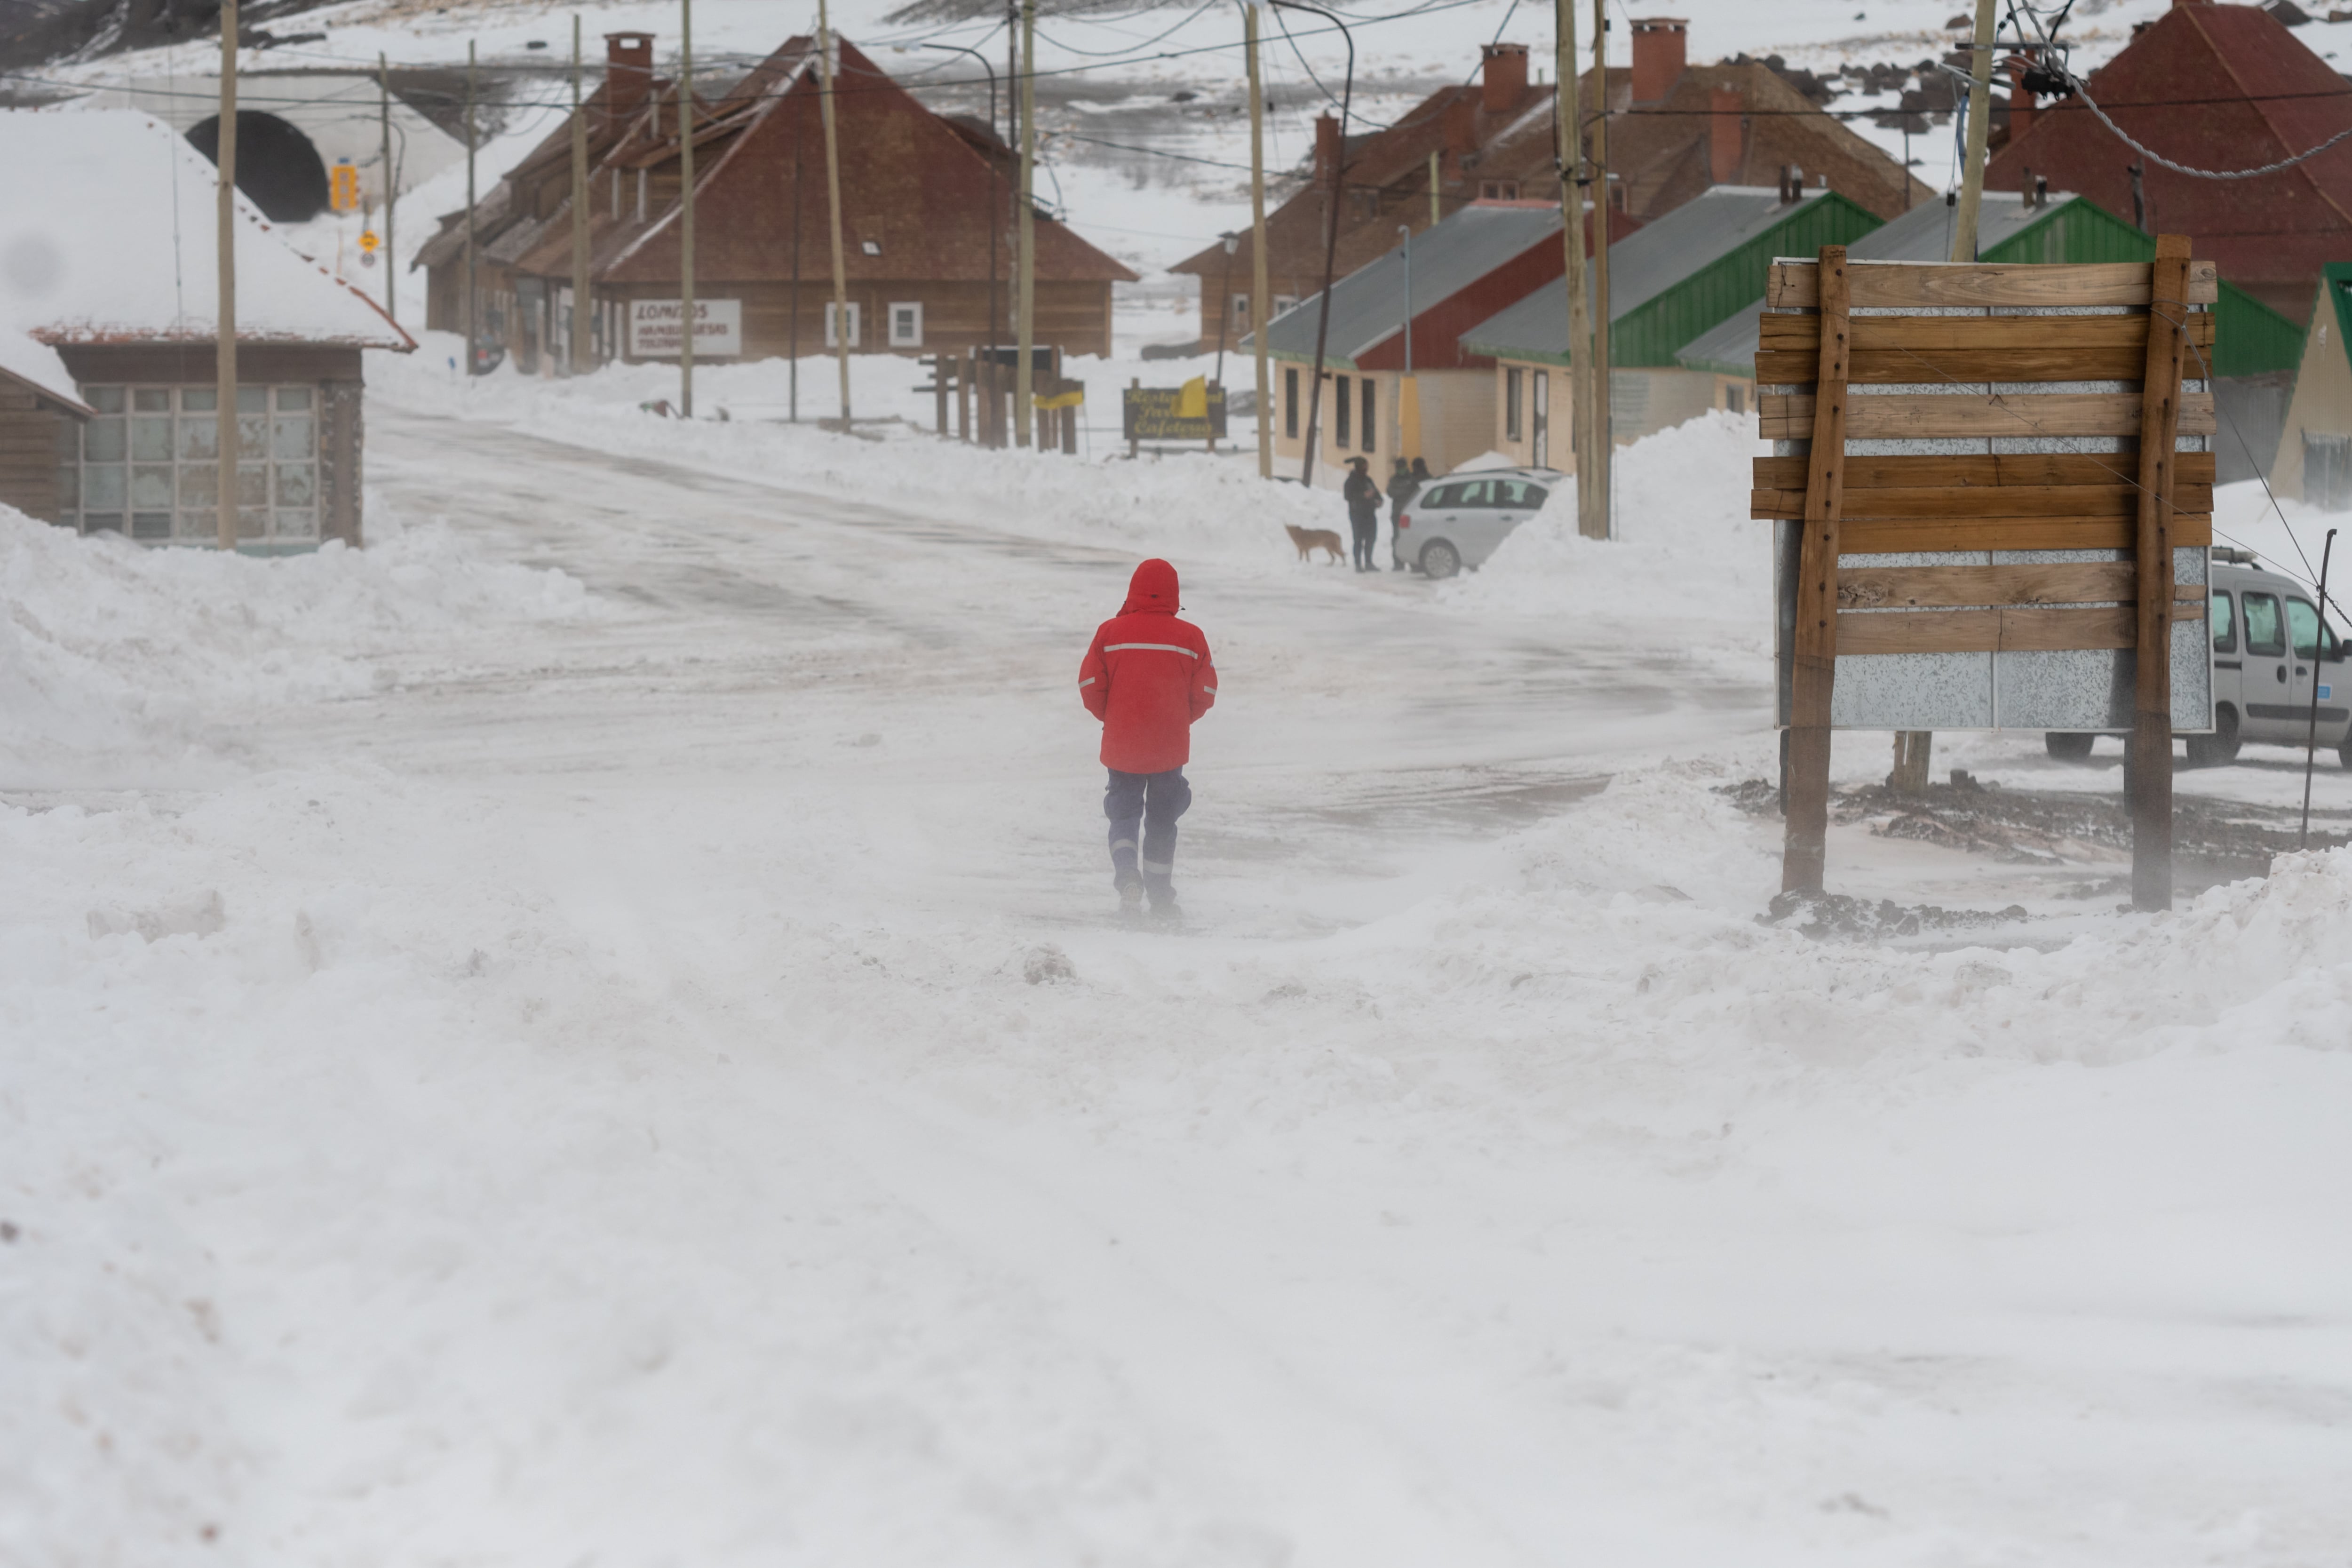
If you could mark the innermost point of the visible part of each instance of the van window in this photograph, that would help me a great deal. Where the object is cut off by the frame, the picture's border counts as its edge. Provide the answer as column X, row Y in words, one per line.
column 1517, row 494
column 1438, row 499
column 2265, row 634
column 2303, row 621
column 1473, row 492
column 2225, row 623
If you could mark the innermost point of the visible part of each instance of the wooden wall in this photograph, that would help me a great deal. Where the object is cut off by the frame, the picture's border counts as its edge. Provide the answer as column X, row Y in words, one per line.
column 1073, row 317
column 29, row 436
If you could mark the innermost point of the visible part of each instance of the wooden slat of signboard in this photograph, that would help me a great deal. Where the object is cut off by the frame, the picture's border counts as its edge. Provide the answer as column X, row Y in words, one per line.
column 2164, row 413
column 1939, row 416
column 1986, row 631
column 1812, row 645
column 1941, row 587
column 1885, row 538
column 1990, row 469
column 2121, row 500
column 1938, row 349
column 1911, row 285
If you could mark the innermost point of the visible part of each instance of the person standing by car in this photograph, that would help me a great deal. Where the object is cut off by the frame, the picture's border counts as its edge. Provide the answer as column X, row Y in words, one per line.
column 1403, row 488
column 1363, row 498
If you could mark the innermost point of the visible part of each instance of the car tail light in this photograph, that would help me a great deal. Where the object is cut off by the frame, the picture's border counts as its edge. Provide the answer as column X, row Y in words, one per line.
column 1404, row 519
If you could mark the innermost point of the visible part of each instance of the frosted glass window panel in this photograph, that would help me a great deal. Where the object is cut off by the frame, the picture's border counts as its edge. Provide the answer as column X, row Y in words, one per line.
column 200, row 486
column 199, row 524
column 105, row 399
column 150, row 438
column 199, row 437
column 252, row 432
column 151, row 525
column 151, row 400
column 294, row 398
column 292, row 437
column 104, row 441
column 297, row 524
column 252, row 400
column 101, row 485
column 254, row 523
column 150, row 487
column 252, row 484
column 200, row 400
column 297, row 484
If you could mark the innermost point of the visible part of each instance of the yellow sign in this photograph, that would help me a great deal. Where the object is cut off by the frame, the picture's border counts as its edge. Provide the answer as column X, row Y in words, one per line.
column 343, row 187
column 1192, row 399
column 368, row 241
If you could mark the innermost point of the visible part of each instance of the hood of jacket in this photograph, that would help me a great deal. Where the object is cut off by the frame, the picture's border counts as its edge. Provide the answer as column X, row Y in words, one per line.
column 1152, row 590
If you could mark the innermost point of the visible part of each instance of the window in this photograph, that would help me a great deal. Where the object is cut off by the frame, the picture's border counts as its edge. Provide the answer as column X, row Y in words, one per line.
column 870, row 247
column 855, row 326
column 641, row 195
column 1471, row 492
column 1514, row 390
column 1339, row 410
column 2305, row 632
column 1514, row 495
column 149, row 464
column 1368, row 425
column 1498, row 190
column 2225, row 623
column 1290, row 404
column 906, row 324
column 1438, row 499
column 1285, row 302
column 1540, row 425
column 1735, row 399
column 2264, row 635
column 1240, row 312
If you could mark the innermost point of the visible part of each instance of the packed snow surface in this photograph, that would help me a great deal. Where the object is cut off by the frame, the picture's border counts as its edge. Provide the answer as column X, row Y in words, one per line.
column 592, row 1032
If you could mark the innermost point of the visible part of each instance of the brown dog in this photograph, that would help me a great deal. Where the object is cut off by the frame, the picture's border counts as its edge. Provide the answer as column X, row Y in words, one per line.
column 1313, row 539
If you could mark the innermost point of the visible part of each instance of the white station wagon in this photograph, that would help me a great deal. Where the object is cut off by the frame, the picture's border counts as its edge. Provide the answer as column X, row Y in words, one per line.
column 1459, row 520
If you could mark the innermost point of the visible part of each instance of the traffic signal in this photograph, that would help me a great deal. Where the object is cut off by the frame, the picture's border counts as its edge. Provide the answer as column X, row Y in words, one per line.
column 343, row 189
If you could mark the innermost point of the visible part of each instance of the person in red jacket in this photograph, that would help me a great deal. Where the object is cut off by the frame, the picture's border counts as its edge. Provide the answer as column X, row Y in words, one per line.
column 1147, row 675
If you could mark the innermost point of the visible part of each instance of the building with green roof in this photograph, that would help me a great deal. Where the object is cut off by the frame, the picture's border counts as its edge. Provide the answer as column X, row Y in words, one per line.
column 2313, row 459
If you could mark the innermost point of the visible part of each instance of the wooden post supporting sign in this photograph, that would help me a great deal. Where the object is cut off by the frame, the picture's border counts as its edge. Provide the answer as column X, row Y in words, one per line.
column 1813, row 669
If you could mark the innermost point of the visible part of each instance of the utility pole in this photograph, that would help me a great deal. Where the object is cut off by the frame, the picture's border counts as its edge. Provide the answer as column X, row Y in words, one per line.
column 1330, row 240
column 793, row 347
column 1023, row 372
column 581, row 350
column 1261, row 296
column 391, row 182
column 225, row 337
column 1567, row 117
column 833, row 192
column 1915, row 750
column 1436, row 213
column 1604, row 450
column 1964, row 232
column 685, row 210
column 473, row 327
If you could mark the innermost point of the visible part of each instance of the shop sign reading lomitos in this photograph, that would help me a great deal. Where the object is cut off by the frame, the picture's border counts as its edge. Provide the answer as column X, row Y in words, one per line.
column 654, row 334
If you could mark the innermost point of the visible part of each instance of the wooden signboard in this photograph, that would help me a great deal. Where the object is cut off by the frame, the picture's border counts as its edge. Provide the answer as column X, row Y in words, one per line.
column 1981, row 460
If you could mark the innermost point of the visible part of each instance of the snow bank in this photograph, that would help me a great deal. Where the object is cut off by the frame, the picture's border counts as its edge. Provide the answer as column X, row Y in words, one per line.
column 1685, row 556
column 103, row 641
column 1192, row 505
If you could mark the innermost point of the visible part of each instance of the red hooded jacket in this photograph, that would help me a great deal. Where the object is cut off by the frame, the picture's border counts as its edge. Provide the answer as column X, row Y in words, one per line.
column 1147, row 675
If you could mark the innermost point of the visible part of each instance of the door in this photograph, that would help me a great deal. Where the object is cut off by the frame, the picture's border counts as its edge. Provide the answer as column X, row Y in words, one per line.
column 2262, row 677
column 2221, row 615
column 2314, row 657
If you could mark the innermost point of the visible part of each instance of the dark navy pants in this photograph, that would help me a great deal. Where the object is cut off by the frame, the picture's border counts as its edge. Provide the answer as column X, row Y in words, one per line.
column 1143, row 809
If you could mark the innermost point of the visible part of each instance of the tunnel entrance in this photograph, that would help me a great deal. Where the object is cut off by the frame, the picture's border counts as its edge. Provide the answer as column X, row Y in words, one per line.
column 277, row 168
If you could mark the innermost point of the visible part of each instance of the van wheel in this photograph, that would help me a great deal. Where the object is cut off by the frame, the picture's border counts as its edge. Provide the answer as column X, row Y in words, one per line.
column 1440, row 560
column 2066, row 747
column 2221, row 747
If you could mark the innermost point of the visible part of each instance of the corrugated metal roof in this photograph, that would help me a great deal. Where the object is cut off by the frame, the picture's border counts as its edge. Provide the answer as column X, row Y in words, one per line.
column 1369, row 304
column 1923, row 234
column 1643, row 266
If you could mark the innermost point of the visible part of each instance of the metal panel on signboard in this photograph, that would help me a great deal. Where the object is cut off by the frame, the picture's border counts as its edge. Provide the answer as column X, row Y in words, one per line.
column 653, row 329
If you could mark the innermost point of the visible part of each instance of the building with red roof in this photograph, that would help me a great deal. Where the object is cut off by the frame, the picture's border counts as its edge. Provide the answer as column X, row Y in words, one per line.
column 2213, row 87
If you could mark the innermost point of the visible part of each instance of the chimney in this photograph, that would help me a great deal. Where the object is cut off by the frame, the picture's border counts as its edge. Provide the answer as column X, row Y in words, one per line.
column 2021, row 102
column 1658, row 46
column 628, row 75
column 1727, row 106
column 1327, row 149
column 1503, row 74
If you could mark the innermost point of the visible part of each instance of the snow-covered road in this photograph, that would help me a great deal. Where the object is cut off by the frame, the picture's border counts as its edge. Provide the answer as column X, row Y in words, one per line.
column 660, row 1086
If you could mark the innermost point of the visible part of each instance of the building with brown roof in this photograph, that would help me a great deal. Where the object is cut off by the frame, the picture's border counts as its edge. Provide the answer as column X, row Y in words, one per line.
column 1674, row 129
column 927, row 224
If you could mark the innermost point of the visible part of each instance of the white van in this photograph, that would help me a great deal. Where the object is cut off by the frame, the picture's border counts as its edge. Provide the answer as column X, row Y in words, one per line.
column 1459, row 520
column 2270, row 647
